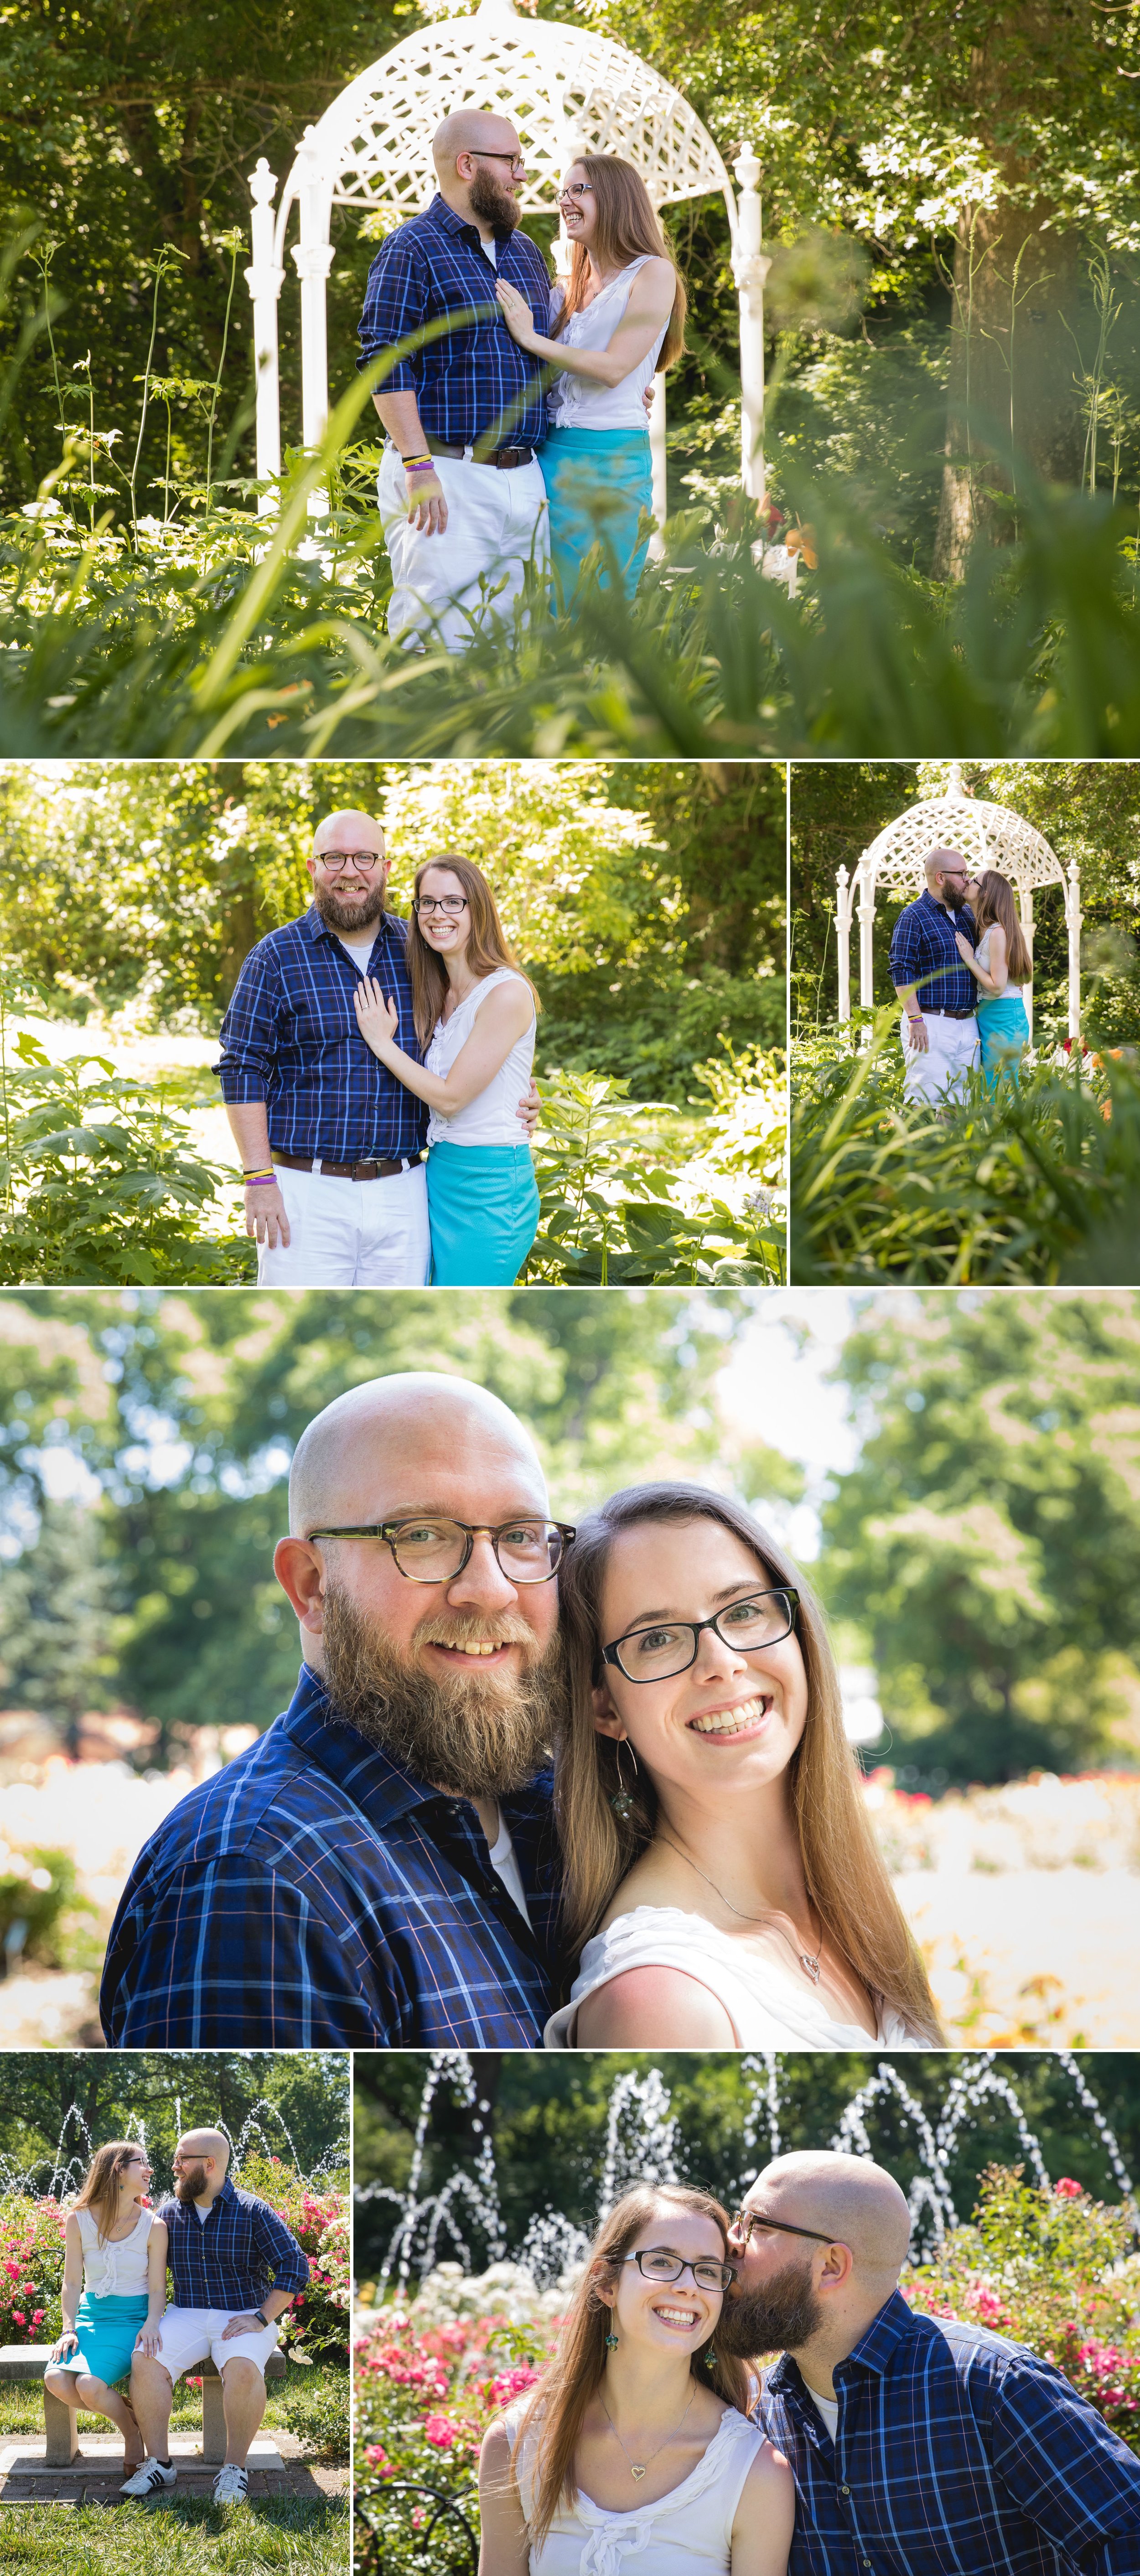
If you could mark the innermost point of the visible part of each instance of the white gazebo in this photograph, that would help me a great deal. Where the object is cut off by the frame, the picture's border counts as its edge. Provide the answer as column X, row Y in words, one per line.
column 566, row 91
column 992, row 836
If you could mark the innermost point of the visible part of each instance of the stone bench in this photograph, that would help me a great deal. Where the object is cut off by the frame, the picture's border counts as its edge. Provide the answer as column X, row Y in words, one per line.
column 22, row 2361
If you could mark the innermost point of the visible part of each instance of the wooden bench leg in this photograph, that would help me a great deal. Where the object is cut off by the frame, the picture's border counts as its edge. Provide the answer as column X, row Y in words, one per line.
column 213, row 2422
column 60, row 2423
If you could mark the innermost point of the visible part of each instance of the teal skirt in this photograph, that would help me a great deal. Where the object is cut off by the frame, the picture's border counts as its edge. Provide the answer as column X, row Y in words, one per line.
column 107, row 2329
column 1003, row 1029
column 483, row 1212
column 598, row 483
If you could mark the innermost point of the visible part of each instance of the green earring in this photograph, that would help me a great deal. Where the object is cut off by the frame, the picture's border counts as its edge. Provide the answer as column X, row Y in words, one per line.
column 622, row 1803
column 611, row 2342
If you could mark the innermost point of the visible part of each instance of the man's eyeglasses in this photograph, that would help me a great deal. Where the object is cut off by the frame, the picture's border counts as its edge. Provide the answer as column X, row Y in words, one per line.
column 449, row 903
column 659, row 2263
column 335, row 860
column 435, row 1550
column 514, row 159
column 747, row 2219
column 670, row 1646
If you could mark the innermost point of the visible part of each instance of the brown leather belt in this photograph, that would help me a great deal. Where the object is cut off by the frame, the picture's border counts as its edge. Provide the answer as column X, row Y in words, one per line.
column 503, row 457
column 339, row 1171
column 938, row 1011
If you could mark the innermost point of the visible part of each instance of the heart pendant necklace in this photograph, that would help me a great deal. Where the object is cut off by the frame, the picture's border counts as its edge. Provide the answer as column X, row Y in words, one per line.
column 637, row 2468
column 810, row 1961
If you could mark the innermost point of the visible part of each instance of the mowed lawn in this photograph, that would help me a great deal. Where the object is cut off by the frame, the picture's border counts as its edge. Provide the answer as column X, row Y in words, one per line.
column 187, row 2537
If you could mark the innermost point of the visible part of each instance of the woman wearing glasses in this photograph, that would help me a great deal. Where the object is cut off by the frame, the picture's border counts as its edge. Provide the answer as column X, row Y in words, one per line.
column 114, row 2290
column 636, row 2442
column 474, row 1012
column 614, row 326
column 721, row 1870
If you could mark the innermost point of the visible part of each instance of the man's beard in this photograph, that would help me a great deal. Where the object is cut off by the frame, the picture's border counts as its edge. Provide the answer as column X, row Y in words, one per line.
column 496, row 205
column 473, row 1734
column 337, row 913
column 780, row 2317
column 190, row 2186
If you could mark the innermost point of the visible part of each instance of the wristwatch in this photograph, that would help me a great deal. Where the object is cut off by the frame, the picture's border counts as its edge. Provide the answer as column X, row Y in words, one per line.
column 260, row 2315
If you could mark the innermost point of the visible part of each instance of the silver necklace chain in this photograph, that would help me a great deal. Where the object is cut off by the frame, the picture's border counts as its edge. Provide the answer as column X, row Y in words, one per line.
column 809, row 1961
column 637, row 2468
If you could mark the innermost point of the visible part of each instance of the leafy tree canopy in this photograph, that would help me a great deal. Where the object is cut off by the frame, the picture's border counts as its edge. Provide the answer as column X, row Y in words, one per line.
column 299, row 2101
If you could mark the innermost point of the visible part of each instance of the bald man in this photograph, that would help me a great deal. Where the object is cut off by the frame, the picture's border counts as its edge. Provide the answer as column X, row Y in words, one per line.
column 235, row 2268
column 938, row 994
column 461, row 492
column 920, row 2446
column 380, row 1869
column 331, row 1143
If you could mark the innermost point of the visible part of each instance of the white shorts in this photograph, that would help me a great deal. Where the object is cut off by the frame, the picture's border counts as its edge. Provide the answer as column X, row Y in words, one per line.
column 445, row 585
column 350, row 1234
column 938, row 1071
column 195, row 2334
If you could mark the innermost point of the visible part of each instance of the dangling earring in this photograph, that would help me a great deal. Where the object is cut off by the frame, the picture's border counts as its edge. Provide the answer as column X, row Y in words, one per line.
column 710, row 2359
column 611, row 2342
column 622, row 1802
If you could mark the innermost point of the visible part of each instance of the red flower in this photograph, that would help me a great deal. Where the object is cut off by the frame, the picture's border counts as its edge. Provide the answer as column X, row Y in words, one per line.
column 1067, row 2189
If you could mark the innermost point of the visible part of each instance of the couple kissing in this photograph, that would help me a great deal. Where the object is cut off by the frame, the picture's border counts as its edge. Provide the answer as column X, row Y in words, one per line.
column 537, row 1785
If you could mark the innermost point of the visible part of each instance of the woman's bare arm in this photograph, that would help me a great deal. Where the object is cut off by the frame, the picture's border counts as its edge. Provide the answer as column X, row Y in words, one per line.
column 504, row 2548
column 504, row 1016
column 994, row 977
column 762, row 2530
column 72, row 2279
column 653, row 2008
column 648, row 308
column 148, row 2338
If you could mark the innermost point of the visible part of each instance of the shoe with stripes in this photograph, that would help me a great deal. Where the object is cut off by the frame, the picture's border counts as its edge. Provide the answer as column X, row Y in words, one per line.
column 231, row 2486
column 150, row 2480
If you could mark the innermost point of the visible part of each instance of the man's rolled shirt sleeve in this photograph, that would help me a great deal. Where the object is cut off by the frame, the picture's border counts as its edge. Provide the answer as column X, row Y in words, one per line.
column 250, row 1029
column 1069, row 2473
column 396, row 304
column 288, row 2264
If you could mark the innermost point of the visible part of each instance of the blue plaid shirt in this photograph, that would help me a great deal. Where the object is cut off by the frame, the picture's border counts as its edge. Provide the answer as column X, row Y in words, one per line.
column 955, row 2453
column 314, row 1895
column 476, row 378
column 290, row 1038
column 923, row 944
column 235, row 2257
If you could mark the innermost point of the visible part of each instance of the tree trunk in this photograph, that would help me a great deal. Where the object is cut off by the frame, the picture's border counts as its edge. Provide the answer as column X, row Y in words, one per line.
column 1013, row 400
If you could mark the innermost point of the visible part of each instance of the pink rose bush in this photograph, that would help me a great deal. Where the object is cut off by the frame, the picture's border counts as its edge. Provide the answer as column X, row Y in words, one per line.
column 1053, row 2269
column 424, row 2397
column 316, row 2326
column 31, row 2269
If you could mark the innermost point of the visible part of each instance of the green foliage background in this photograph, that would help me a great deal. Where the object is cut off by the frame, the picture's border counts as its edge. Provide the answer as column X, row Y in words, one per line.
column 38, row 2090
column 646, row 898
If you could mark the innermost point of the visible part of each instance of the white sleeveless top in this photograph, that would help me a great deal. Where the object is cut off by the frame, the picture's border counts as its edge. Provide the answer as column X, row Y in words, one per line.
column 766, row 2009
column 686, row 2533
column 1013, row 992
column 573, row 402
column 115, row 2271
column 492, row 1118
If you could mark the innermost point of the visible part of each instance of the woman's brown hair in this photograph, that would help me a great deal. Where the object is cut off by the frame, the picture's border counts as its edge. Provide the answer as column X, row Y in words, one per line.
column 487, row 946
column 627, row 228
column 558, row 2405
column 995, row 903
column 100, row 2188
column 844, row 1871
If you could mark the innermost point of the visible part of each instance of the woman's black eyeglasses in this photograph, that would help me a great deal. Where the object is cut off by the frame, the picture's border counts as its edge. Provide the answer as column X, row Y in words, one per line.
column 659, row 2263
column 670, row 1646
column 434, row 1550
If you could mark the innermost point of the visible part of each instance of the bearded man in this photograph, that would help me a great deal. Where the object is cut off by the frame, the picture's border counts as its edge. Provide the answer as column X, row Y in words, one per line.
column 460, row 487
column 380, row 1869
column 920, row 2446
column 330, row 1141
column 235, row 2269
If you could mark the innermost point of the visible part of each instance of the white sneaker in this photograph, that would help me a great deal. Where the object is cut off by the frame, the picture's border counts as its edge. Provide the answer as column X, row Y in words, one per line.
column 231, row 2486
column 149, row 2480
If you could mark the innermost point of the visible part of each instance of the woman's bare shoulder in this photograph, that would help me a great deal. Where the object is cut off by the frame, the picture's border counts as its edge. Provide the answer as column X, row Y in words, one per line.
column 653, row 2007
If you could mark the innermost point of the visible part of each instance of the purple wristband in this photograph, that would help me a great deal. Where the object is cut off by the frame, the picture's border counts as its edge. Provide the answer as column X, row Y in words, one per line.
column 263, row 1181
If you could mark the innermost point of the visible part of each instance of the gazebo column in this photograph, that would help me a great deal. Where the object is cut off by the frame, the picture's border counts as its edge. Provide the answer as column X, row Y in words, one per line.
column 1073, row 923
column 749, row 269
column 264, row 280
column 866, row 937
column 313, row 255
column 843, row 900
column 1026, row 908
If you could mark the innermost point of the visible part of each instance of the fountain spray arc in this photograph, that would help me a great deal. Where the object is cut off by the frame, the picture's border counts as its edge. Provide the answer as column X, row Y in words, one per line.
column 59, row 2177
column 643, row 2143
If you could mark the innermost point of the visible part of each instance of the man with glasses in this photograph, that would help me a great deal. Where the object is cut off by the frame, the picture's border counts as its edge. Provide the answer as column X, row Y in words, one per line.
column 937, row 992
column 379, row 1870
column 331, row 1143
column 920, row 2446
column 461, row 492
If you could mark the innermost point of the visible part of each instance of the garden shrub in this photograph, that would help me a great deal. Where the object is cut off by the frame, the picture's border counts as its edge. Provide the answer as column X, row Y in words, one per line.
column 38, row 1895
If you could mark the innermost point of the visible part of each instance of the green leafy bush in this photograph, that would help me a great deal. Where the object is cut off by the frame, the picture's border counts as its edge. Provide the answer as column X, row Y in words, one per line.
column 425, row 2395
column 611, row 1209
column 38, row 1895
column 315, row 2328
column 31, row 2268
column 318, row 2413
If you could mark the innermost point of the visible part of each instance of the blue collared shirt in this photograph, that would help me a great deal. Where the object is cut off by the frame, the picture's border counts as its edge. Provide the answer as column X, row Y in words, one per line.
column 475, row 379
column 923, row 946
column 290, row 1037
column 233, row 2257
column 315, row 1895
column 956, row 2453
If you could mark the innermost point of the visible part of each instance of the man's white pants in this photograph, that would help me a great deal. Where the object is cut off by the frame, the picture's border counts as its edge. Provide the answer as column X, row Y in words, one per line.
column 496, row 523
column 190, row 2335
column 350, row 1234
column 938, row 1072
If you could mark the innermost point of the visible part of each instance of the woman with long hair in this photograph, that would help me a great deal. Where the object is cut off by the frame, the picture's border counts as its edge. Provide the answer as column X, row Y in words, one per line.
column 636, row 2440
column 114, row 2290
column 721, row 1871
column 1000, row 954
column 618, row 322
column 475, row 1012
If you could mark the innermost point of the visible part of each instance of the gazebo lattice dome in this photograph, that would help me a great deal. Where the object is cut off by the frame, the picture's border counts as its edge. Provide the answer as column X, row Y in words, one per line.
column 990, row 836
column 566, row 90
